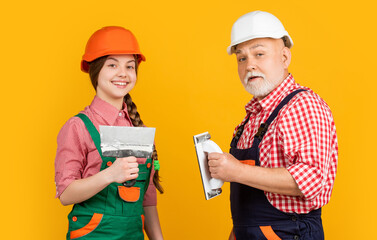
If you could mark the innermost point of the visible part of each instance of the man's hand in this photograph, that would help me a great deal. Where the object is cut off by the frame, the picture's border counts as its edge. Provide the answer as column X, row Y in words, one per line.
column 227, row 168
column 223, row 166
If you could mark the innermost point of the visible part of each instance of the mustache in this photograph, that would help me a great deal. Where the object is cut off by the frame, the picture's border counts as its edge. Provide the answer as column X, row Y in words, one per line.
column 253, row 74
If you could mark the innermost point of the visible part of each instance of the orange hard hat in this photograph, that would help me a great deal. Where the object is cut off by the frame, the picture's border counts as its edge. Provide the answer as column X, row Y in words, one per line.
column 107, row 41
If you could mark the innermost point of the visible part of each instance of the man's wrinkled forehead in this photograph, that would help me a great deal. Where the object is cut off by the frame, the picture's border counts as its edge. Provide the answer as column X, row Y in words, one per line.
column 258, row 43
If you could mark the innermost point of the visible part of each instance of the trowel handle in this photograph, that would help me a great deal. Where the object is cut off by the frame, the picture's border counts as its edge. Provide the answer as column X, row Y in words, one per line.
column 129, row 183
column 210, row 146
column 215, row 183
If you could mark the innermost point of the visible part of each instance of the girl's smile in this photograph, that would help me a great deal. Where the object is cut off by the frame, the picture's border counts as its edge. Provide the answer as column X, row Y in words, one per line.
column 120, row 84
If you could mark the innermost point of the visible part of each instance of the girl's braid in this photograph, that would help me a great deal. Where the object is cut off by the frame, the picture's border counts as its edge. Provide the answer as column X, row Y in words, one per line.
column 137, row 122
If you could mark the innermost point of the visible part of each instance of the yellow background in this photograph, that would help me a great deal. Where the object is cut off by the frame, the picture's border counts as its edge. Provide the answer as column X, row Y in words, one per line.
column 187, row 86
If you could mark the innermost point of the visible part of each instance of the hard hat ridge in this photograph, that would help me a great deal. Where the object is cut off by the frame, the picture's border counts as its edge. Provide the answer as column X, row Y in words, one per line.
column 257, row 24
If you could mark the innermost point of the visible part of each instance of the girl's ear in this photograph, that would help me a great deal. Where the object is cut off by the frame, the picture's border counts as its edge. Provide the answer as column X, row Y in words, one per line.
column 286, row 57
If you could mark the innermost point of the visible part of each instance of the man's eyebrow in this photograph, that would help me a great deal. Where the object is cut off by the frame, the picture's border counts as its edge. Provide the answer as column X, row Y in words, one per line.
column 252, row 47
column 257, row 45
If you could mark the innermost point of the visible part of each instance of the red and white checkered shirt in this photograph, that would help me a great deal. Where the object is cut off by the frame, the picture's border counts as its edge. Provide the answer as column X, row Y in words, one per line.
column 301, row 139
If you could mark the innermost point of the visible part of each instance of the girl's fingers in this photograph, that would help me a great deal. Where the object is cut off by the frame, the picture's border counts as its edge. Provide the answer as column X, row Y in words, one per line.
column 133, row 170
column 131, row 159
column 133, row 176
column 128, row 159
column 133, row 165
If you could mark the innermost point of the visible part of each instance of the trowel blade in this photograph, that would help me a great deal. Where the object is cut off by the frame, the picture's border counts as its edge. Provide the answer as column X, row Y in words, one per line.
column 120, row 142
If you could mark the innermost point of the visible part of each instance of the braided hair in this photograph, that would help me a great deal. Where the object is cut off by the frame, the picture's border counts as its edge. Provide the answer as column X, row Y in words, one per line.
column 94, row 70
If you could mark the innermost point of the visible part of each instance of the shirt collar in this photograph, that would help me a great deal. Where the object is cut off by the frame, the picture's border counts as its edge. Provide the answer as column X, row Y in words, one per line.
column 267, row 103
column 107, row 111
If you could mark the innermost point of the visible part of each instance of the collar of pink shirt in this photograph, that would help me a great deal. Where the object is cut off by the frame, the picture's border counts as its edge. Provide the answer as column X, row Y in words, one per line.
column 107, row 111
column 269, row 102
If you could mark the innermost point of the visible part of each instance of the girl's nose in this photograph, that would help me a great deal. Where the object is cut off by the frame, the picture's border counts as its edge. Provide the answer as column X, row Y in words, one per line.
column 122, row 72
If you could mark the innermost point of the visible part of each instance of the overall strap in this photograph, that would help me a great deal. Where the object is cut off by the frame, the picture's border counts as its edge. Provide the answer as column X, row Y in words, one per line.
column 92, row 131
column 264, row 126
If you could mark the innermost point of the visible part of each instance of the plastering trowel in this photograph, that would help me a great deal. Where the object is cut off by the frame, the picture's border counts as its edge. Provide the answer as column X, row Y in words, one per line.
column 122, row 142
column 203, row 146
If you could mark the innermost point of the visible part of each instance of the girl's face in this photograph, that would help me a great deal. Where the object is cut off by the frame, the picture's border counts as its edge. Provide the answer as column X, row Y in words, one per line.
column 116, row 78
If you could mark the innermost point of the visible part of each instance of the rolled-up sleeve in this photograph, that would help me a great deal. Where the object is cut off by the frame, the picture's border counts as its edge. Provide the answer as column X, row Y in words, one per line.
column 308, row 134
column 70, row 155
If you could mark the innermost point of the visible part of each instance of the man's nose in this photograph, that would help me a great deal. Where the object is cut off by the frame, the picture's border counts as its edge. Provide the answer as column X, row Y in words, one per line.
column 250, row 65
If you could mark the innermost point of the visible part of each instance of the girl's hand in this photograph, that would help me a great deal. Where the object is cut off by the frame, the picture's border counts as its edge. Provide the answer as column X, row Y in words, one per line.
column 124, row 169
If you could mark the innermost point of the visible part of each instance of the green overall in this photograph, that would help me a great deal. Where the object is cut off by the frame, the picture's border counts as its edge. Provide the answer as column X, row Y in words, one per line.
column 116, row 212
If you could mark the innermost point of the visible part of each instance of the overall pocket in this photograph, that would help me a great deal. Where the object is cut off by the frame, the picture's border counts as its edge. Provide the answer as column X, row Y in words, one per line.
column 129, row 194
column 89, row 225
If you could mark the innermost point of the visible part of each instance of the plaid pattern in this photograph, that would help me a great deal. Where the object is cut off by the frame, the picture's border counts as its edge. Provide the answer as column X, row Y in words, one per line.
column 301, row 139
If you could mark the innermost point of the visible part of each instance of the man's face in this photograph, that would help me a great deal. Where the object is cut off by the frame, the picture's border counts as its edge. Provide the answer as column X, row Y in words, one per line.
column 262, row 65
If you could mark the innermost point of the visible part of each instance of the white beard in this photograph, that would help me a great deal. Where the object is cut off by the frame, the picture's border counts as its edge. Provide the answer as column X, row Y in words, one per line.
column 259, row 88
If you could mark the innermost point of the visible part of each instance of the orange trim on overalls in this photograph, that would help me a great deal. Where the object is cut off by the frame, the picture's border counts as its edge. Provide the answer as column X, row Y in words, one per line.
column 142, row 220
column 248, row 162
column 94, row 222
column 269, row 233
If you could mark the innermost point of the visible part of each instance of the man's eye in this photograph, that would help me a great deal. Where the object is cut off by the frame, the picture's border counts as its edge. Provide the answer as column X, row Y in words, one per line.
column 260, row 54
column 241, row 59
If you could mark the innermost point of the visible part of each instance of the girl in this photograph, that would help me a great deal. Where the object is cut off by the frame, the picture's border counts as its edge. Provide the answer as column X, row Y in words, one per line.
column 103, row 207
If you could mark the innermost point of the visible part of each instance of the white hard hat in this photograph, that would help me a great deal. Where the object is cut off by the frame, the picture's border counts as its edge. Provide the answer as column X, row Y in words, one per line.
column 257, row 24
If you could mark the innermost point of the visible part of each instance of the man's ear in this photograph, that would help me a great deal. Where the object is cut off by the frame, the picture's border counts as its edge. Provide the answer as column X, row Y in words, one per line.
column 286, row 57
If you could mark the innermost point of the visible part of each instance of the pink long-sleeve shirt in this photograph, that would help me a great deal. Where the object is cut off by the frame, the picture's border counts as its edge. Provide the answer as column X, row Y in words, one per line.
column 77, row 156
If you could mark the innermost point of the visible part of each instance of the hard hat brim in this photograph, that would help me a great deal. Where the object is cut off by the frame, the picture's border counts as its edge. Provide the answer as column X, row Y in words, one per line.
column 85, row 63
column 289, row 44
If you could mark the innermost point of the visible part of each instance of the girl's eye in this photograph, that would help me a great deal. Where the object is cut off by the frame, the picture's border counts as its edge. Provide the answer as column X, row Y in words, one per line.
column 131, row 67
column 112, row 65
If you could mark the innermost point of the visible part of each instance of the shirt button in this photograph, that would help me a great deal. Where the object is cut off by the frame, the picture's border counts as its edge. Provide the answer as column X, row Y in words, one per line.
column 109, row 163
column 294, row 218
column 120, row 114
column 74, row 218
column 296, row 237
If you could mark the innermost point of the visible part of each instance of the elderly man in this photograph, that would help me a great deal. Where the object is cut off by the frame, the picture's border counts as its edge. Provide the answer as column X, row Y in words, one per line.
column 283, row 155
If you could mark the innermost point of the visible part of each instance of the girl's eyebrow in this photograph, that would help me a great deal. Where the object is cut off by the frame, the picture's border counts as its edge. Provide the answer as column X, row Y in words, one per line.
column 111, row 58
column 132, row 60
